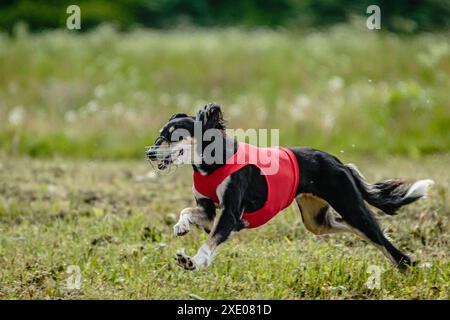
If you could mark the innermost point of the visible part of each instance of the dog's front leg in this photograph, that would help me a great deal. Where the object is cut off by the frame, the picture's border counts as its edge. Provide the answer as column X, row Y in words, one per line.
column 189, row 216
column 201, row 216
column 231, row 194
column 229, row 220
column 222, row 229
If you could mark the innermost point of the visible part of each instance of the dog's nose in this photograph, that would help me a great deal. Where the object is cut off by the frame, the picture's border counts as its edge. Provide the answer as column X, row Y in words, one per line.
column 151, row 154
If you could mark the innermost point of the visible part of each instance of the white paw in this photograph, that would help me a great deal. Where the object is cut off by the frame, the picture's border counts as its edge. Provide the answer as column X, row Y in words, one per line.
column 181, row 228
column 185, row 261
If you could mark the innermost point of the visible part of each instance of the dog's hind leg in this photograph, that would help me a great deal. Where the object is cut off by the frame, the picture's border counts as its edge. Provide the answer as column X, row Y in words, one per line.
column 340, row 186
column 342, row 194
column 319, row 217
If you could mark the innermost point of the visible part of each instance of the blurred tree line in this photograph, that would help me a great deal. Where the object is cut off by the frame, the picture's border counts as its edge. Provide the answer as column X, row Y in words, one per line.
column 397, row 15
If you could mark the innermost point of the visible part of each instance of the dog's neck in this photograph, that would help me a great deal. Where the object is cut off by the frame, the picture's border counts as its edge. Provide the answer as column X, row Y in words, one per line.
column 230, row 147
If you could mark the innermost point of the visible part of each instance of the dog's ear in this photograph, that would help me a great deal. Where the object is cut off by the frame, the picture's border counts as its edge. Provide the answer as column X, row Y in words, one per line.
column 178, row 115
column 211, row 117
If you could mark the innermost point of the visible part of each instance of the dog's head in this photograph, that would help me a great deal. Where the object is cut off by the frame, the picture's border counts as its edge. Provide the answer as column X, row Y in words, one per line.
column 178, row 142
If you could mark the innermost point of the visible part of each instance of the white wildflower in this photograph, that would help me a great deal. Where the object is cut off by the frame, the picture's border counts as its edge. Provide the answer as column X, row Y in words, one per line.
column 235, row 110
column 296, row 112
column 70, row 116
column 335, row 84
column 329, row 120
column 92, row 106
column 303, row 101
column 99, row 91
column 16, row 115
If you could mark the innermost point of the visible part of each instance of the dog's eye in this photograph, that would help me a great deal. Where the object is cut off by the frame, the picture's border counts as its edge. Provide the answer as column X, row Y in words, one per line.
column 176, row 139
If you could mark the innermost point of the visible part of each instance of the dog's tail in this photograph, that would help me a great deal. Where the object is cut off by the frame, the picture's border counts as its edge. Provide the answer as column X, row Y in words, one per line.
column 389, row 195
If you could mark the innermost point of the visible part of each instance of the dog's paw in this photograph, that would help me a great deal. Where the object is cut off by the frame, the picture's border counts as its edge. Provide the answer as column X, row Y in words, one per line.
column 181, row 228
column 185, row 261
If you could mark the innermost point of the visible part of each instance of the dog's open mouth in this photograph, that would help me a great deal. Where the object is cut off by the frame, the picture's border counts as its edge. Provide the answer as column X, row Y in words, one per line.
column 165, row 159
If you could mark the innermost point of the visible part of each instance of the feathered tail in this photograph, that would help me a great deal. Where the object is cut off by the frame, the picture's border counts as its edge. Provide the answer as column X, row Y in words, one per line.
column 389, row 195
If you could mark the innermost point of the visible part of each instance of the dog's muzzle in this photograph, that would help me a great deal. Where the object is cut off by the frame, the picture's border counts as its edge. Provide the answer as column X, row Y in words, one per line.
column 160, row 154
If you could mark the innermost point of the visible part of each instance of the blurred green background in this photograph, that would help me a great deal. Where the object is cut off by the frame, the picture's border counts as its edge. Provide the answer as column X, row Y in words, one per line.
column 310, row 68
column 400, row 15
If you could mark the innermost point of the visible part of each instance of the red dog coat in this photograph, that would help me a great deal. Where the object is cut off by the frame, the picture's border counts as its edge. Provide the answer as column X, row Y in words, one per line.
column 278, row 165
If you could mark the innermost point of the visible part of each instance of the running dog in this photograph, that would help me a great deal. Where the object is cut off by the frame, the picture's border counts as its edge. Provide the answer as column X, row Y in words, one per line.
column 238, row 191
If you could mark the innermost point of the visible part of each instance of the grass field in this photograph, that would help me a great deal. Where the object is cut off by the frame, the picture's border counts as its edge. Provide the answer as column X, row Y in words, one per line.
column 77, row 110
column 114, row 221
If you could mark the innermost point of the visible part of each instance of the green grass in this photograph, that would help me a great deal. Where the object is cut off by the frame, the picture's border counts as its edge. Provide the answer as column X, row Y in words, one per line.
column 114, row 221
column 104, row 94
column 69, row 101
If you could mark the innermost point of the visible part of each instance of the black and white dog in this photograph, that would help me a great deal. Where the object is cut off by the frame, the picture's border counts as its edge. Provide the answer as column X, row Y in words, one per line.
column 331, row 196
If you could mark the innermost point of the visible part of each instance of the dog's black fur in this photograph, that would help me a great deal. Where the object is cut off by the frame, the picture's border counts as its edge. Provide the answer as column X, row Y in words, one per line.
column 335, row 194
